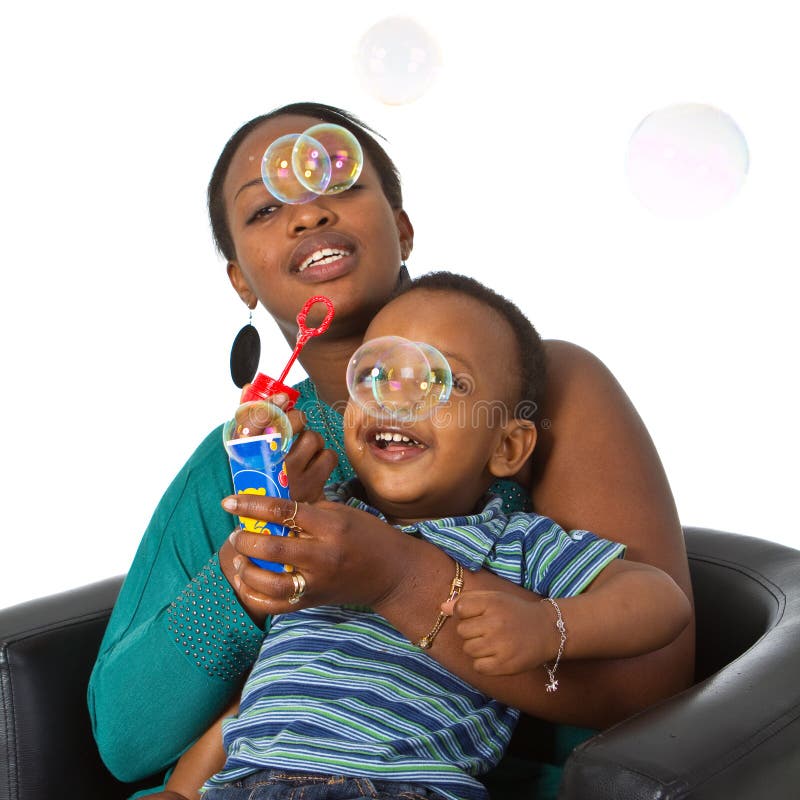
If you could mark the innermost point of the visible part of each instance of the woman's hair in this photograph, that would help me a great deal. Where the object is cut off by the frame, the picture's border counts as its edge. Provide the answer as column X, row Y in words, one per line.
column 384, row 166
column 529, row 363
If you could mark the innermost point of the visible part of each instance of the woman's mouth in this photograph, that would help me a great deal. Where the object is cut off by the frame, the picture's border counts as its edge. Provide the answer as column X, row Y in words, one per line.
column 322, row 257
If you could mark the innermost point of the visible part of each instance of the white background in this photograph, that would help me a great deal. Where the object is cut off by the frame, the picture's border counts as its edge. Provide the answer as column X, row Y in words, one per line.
column 114, row 301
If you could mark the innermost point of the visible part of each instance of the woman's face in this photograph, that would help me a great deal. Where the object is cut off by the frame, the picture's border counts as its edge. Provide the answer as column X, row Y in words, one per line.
column 347, row 246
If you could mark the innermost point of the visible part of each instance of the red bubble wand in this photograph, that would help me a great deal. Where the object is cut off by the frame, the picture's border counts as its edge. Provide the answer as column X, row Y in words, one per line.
column 263, row 386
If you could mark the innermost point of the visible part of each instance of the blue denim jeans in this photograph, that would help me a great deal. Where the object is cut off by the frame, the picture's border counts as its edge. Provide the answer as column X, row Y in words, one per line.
column 280, row 784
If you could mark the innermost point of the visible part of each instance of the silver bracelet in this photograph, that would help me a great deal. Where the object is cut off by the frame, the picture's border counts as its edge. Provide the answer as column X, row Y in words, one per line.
column 552, row 683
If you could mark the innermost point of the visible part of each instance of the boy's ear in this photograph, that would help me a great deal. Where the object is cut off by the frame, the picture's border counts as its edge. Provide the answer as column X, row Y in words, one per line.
column 516, row 444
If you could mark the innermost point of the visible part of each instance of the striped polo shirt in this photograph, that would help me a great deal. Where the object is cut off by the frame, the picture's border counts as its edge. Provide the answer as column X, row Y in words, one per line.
column 337, row 690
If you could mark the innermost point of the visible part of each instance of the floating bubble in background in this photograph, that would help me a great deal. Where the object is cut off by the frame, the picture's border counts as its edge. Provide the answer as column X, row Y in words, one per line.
column 686, row 160
column 397, row 60
column 344, row 152
column 392, row 376
column 278, row 173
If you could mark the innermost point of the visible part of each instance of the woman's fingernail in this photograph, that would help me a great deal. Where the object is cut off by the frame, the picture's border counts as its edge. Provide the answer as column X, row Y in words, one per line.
column 229, row 504
column 237, row 563
column 237, row 582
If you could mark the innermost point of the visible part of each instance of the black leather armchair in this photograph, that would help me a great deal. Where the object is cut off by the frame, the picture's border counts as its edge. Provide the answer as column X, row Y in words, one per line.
column 734, row 735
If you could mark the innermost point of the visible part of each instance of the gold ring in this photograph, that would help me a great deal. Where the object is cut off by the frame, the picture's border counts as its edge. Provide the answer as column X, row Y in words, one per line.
column 291, row 522
column 299, row 585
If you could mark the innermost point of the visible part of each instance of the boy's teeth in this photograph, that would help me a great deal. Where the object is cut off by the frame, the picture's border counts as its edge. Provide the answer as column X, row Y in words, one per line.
column 323, row 256
column 389, row 436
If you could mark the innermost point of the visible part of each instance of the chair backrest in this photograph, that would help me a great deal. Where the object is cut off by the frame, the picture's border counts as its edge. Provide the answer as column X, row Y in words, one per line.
column 734, row 605
column 47, row 650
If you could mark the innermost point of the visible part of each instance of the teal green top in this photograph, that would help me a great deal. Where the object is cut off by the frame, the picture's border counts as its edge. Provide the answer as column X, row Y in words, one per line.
column 178, row 643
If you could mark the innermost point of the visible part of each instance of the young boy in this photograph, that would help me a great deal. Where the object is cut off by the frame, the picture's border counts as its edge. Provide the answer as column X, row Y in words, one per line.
column 341, row 705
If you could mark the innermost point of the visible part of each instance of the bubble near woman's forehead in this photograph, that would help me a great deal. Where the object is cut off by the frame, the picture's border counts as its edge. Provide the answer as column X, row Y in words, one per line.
column 686, row 160
column 278, row 174
column 343, row 150
column 311, row 163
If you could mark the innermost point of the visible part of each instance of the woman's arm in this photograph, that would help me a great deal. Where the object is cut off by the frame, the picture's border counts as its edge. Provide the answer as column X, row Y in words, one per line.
column 595, row 467
column 156, row 686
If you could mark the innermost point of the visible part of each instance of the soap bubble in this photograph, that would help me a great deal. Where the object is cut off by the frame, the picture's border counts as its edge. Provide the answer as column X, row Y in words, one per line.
column 392, row 376
column 259, row 421
column 441, row 377
column 397, row 60
column 686, row 160
column 278, row 174
column 346, row 157
column 311, row 163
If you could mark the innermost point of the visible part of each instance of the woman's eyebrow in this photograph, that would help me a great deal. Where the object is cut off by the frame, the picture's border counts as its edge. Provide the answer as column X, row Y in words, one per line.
column 254, row 182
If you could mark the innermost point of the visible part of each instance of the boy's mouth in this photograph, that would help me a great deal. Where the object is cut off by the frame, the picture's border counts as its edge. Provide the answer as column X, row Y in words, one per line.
column 394, row 439
column 392, row 445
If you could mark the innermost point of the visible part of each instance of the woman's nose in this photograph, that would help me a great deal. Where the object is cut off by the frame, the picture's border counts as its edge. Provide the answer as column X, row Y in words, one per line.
column 308, row 216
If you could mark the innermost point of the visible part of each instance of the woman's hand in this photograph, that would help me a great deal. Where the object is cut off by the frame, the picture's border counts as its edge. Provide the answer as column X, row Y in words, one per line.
column 344, row 555
column 164, row 795
column 308, row 464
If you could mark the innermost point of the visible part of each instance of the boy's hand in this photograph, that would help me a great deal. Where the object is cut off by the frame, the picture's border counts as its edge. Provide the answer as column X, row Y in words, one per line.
column 505, row 634
column 308, row 463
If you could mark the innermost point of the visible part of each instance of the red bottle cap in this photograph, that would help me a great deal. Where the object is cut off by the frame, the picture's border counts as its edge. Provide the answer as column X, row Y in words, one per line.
column 263, row 387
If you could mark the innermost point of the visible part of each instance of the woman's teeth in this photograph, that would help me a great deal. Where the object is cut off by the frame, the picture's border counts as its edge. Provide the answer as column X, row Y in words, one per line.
column 324, row 256
column 385, row 438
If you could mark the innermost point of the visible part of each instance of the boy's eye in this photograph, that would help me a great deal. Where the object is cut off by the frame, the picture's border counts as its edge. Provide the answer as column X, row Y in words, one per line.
column 462, row 384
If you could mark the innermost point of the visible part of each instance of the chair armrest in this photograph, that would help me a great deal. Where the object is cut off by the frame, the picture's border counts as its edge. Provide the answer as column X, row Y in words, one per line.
column 47, row 649
column 734, row 734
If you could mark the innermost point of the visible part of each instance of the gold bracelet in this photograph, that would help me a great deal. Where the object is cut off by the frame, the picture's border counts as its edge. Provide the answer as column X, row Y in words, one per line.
column 447, row 609
column 552, row 683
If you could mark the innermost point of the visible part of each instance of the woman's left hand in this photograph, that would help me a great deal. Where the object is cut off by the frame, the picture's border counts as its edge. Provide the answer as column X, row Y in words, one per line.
column 343, row 554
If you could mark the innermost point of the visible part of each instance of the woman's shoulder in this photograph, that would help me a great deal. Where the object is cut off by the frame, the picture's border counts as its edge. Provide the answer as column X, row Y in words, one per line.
column 569, row 360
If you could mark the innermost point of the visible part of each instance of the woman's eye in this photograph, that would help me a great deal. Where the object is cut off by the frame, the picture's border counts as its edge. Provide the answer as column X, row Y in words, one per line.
column 264, row 211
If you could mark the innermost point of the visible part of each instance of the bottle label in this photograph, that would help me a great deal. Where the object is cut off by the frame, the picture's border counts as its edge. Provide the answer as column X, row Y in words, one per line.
column 257, row 467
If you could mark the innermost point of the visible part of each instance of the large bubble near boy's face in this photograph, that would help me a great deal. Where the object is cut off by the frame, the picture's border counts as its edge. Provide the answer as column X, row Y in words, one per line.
column 278, row 173
column 344, row 157
column 260, row 419
column 686, row 161
column 396, row 378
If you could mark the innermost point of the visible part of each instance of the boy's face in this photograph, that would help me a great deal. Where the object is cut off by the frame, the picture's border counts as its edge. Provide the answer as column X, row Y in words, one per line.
column 446, row 466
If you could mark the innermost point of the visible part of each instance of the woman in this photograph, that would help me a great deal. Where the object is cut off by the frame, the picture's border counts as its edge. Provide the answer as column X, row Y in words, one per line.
column 188, row 621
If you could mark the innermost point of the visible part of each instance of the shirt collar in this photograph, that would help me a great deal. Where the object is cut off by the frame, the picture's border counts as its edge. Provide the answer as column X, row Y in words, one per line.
column 485, row 526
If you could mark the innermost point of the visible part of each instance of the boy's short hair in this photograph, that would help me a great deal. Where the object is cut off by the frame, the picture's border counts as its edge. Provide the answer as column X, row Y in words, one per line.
column 530, row 355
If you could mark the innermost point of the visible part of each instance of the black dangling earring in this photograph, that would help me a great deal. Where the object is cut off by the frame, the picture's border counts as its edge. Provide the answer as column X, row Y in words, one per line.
column 245, row 354
column 403, row 278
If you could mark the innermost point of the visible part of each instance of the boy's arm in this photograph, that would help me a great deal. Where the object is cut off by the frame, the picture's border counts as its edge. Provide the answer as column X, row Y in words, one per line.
column 628, row 609
column 203, row 759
